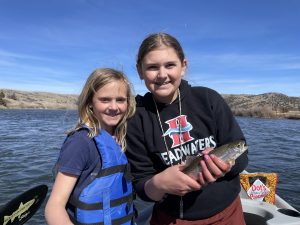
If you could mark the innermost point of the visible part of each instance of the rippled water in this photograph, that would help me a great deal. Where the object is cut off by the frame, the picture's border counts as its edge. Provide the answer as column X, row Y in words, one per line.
column 29, row 144
column 274, row 146
column 30, row 141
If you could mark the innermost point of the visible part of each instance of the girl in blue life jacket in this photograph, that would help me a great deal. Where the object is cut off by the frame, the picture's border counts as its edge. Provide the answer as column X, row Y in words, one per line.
column 92, row 184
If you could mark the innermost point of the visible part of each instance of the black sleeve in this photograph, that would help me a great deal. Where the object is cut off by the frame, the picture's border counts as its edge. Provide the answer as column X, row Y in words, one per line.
column 228, row 130
column 140, row 162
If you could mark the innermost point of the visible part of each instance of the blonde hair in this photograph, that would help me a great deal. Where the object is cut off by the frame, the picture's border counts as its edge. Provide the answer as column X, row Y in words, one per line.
column 99, row 78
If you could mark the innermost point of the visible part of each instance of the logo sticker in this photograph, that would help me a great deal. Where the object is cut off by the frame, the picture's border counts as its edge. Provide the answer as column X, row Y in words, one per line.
column 179, row 130
column 258, row 190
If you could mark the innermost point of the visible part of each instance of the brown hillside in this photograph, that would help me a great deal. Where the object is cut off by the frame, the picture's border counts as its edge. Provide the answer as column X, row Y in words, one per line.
column 12, row 99
column 263, row 105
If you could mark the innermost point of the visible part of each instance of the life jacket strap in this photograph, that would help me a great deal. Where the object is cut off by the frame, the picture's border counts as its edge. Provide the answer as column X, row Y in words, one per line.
column 112, row 170
column 119, row 221
column 96, row 206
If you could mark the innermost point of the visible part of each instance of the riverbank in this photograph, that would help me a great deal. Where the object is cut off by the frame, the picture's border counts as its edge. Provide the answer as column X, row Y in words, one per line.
column 14, row 99
column 268, row 105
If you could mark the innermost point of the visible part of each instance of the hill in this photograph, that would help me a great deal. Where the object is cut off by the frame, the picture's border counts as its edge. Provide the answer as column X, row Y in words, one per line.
column 263, row 105
column 12, row 99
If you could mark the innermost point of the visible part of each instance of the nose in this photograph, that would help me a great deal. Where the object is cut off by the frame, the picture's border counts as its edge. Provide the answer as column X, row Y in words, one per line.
column 113, row 105
column 162, row 73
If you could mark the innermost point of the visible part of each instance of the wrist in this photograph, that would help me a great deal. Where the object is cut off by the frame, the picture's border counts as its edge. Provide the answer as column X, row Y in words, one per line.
column 154, row 188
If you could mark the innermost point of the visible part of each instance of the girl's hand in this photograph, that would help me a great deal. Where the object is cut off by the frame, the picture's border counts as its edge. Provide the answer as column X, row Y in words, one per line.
column 177, row 183
column 170, row 181
column 212, row 168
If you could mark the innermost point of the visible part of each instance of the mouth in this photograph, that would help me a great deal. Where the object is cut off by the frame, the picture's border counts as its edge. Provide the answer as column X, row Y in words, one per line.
column 112, row 115
column 162, row 83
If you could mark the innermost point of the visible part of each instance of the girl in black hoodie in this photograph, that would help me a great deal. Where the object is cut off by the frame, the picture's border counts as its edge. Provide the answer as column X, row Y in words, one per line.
column 174, row 120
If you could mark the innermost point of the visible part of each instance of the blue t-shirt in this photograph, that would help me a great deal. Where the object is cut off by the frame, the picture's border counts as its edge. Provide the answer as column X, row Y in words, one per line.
column 79, row 156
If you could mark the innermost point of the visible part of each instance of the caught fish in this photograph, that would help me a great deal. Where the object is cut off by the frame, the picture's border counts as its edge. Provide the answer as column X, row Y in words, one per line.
column 228, row 153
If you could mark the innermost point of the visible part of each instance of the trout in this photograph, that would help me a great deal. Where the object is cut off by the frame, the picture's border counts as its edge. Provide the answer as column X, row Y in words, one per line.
column 228, row 153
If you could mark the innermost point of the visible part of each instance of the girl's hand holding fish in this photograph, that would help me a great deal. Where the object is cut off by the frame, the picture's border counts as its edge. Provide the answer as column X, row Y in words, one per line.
column 212, row 164
column 212, row 168
column 170, row 181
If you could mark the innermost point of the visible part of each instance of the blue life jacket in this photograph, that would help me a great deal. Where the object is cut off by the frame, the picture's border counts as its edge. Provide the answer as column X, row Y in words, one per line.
column 107, row 198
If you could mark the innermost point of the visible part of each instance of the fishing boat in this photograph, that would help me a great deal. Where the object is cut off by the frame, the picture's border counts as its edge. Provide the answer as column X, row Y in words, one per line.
column 255, row 212
column 263, row 213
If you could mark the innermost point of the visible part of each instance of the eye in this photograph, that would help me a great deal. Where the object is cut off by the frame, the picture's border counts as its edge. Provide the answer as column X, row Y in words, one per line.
column 105, row 100
column 170, row 65
column 121, row 100
column 152, row 67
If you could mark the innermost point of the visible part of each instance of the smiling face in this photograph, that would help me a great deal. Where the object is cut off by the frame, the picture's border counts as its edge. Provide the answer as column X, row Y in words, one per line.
column 162, row 70
column 109, row 105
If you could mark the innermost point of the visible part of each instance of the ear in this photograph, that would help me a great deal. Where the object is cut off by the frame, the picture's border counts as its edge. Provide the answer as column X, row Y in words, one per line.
column 184, row 65
column 139, row 70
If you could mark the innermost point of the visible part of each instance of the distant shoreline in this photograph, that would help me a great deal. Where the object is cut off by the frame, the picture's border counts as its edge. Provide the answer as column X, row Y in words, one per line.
column 268, row 105
column 291, row 116
column 12, row 99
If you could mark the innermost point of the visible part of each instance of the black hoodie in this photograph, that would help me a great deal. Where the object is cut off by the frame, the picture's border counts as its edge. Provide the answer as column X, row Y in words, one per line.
column 206, row 121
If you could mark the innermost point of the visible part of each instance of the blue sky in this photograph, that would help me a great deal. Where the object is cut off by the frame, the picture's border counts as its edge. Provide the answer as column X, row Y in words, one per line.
column 232, row 46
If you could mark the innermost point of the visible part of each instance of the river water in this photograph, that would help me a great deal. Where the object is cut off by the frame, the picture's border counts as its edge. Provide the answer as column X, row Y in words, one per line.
column 30, row 141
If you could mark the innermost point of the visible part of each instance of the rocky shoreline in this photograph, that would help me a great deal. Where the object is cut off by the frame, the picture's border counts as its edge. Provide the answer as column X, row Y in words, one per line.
column 268, row 105
column 13, row 99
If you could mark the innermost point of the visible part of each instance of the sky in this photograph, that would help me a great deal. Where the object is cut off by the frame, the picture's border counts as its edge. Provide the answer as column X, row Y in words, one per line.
column 232, row 46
